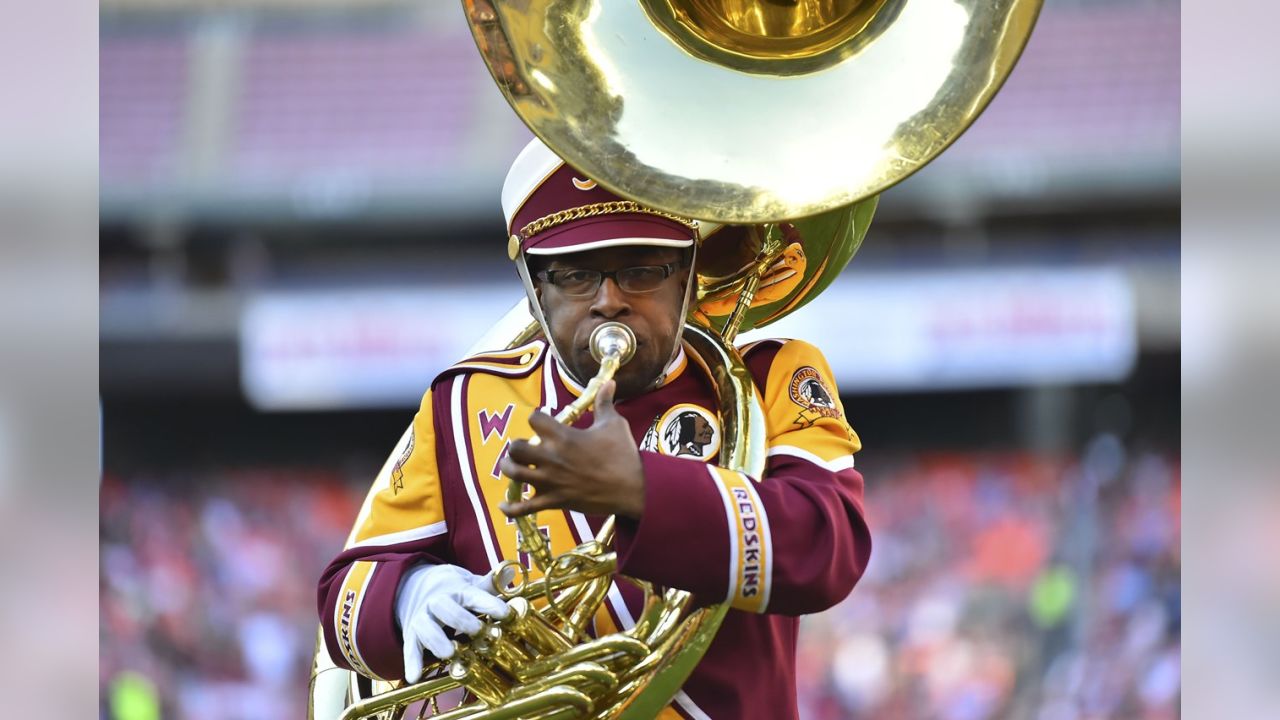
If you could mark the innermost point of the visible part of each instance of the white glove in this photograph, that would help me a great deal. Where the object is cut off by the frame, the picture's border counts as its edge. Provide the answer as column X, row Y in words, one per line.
column 432, row 597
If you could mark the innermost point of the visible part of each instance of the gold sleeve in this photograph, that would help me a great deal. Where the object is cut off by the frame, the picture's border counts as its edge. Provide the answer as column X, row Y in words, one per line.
column 405, row 502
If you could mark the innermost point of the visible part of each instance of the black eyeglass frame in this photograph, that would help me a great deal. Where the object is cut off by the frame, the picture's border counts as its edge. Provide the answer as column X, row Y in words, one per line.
column 549, row 276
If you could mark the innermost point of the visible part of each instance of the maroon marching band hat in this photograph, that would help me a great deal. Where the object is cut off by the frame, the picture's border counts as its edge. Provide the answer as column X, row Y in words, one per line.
column 551, row 208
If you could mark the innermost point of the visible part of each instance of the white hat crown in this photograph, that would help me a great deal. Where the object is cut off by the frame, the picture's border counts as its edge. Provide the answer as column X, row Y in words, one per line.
column 532, row 166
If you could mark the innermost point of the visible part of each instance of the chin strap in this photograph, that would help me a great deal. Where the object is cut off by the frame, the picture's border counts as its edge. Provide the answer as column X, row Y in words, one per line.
column 691, row 286
column 535, row 307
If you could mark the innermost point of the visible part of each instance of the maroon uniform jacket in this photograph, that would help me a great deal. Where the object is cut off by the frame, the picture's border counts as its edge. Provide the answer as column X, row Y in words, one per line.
column 791, row 542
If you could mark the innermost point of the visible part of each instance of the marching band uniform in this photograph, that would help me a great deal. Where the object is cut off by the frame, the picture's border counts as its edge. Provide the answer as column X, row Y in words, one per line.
column 791, row 542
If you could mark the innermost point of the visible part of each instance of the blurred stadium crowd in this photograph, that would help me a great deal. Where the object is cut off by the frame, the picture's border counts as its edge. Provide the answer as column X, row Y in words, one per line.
column 995, row 592
column 1001, row 585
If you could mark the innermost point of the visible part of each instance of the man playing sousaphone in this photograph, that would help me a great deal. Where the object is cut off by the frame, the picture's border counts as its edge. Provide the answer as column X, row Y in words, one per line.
column 793, row 541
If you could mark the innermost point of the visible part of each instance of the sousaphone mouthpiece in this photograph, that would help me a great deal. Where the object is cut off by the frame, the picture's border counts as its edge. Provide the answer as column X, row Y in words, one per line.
column 613, row 339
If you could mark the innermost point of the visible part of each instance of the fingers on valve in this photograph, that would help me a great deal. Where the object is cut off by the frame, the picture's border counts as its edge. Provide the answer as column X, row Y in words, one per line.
column 494, row 582
column 450, row 613
column 478, row 600
column 430, row 635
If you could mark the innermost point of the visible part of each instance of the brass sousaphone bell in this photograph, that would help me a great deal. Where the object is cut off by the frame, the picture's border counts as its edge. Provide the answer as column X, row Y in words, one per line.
column 745, row 112
column 774, row 122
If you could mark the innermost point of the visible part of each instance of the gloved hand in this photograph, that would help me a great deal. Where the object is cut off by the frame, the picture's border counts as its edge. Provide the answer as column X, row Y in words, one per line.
column 432, row 597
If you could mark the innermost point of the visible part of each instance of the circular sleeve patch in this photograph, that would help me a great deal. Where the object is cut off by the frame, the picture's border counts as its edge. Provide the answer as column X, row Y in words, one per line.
column 809, row 392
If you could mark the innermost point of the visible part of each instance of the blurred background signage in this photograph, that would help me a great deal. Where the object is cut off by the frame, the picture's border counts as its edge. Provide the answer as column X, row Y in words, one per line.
column 891, row 331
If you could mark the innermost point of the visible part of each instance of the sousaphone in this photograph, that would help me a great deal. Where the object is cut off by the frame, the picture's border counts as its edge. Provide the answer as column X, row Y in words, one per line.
column 776, row 123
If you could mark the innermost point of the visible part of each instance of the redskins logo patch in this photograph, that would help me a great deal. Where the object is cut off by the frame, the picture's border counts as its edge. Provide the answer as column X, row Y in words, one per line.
column 584, row 184
column 809, row 392
column 687, row 430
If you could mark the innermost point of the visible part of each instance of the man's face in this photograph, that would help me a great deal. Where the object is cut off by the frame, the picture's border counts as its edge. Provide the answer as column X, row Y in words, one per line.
column 652, row 316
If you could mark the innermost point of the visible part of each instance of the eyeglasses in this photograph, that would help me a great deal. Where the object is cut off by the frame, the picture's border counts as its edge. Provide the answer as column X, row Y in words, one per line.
column 581, row 283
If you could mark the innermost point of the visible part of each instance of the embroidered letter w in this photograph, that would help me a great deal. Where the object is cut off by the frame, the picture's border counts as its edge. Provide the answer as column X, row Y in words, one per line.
column 491, row 424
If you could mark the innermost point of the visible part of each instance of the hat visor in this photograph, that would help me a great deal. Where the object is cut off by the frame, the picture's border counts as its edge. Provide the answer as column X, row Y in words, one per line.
column 610, row 231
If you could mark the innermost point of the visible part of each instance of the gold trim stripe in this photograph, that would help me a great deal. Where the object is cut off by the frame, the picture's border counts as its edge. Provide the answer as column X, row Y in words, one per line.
column 346, row 613
column 614, row 207
column 752, row 569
